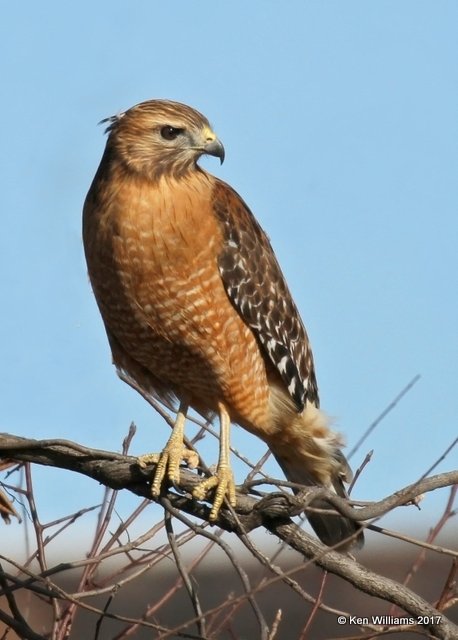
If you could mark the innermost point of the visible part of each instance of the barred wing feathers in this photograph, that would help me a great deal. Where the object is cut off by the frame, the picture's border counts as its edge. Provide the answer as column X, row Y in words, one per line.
column 257, row 288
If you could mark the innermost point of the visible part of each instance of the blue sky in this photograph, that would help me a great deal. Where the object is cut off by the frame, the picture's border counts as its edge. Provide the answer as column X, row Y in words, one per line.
column 341, row 132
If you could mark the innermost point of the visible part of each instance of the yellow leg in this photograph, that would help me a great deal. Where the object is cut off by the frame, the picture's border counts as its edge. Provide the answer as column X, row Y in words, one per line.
column 223, row 480
column 168, row 461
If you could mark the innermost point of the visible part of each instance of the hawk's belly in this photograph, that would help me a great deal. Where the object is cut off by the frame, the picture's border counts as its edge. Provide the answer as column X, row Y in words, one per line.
column 163, row 299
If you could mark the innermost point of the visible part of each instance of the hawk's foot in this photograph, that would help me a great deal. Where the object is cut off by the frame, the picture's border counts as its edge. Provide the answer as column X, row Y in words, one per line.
column 223, row 483
column 169, row 460
column 168, row 464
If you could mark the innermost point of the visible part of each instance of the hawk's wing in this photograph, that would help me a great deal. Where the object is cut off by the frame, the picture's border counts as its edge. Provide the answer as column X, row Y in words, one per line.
column 257, row 288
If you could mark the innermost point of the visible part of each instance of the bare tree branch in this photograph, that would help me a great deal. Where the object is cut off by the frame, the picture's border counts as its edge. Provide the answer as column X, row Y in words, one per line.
column 273, row 511
column 119, row 471
column 368, row 581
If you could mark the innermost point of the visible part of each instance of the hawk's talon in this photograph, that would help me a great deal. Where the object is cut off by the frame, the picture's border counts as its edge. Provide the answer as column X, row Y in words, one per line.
column 169, row 460
column 147, row 459
column 223, row 483
column 190, row 458
column 168, row 464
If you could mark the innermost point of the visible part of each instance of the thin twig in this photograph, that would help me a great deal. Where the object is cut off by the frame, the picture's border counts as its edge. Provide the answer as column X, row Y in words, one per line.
column 275, row 625
column 315, row 608
column 15, row 612
column 360, row 469
column 159, row 603
column 102, row 616
column 201, row 626
column 231, row 555
column 414, row 541
column 383, row 415
column 434, row 532
column 23, row 631
column 449, row 590
column 442, row 457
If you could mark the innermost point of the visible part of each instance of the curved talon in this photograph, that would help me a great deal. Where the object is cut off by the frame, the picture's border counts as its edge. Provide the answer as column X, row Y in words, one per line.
column 147, row 459
column 168, row 464
column 223, row 481
column 169, row 460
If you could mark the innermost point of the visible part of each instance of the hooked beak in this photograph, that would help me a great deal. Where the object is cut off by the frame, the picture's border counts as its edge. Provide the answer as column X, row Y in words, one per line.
column 215, row 148
column 212, row 145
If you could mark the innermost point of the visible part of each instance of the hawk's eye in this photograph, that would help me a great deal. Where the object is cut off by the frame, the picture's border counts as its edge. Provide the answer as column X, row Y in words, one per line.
column 170, row 133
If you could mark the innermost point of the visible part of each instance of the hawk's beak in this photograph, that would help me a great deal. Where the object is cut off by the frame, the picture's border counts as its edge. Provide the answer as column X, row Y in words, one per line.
column 213, row 146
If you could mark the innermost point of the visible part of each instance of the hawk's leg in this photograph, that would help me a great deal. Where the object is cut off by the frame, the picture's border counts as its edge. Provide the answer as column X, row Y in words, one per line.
column 174, row 452
column 223, row 480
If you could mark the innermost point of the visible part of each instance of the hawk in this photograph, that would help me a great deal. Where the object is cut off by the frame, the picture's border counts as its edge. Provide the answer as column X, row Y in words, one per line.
column 196, row 307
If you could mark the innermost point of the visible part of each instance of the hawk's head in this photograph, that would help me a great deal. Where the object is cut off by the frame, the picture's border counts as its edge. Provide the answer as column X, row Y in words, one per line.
column 161, row 137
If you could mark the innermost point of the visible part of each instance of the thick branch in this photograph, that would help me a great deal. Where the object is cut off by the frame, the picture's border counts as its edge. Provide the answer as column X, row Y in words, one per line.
column 362, row 578
column 123, row 472
column 119, row 471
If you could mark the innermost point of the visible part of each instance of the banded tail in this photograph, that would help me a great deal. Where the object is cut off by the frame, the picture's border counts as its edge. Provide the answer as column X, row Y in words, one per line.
column 308, row 453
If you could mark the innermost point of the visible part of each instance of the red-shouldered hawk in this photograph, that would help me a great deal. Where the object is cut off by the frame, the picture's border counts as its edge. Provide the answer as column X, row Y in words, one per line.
column 196, row 307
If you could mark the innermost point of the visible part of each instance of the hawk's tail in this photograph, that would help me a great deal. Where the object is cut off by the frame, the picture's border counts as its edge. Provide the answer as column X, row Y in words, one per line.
column 309, row 454
column 332, row 529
